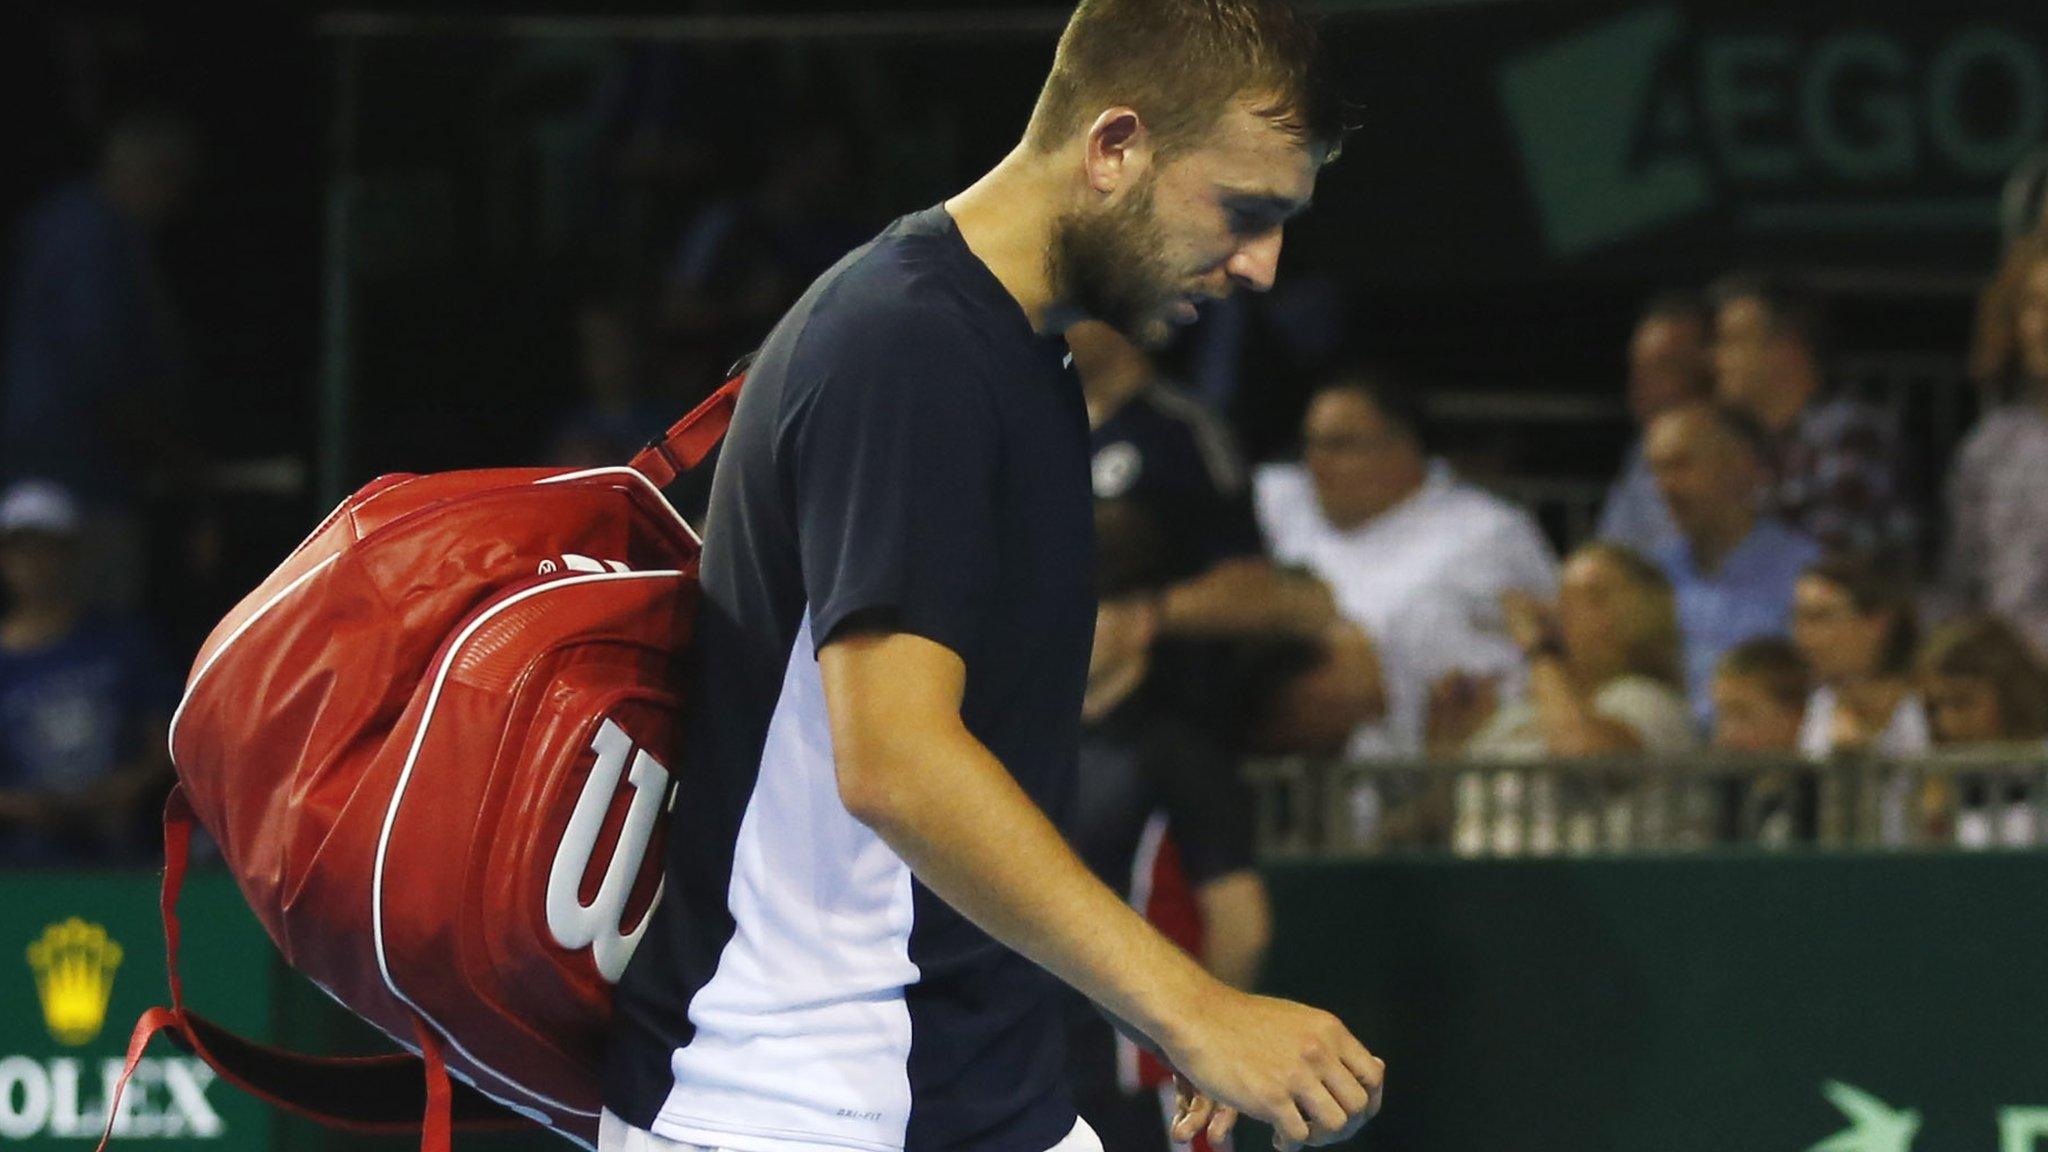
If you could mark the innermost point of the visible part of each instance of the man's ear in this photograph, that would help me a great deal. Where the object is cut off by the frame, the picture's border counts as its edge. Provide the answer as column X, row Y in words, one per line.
column 1119, row 147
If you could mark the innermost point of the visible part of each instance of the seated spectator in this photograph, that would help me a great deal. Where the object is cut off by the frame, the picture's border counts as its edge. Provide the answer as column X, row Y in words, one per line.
column 1982, row 684
column 1605, row 666
column 1173, row 462
column 1231, row 623
column 1857, row 629
column 1760, row 691
column 1733, row 567
column 1997, row 556
column 84, row 700
column 1984, row 687
column 1150, row 772
column 1670, row 362
column 1605, row 678
column 1157, row 447
column 614, row 418
column 1416, row 562
column 746, row 257
column 92, row 364
column 1838, row 472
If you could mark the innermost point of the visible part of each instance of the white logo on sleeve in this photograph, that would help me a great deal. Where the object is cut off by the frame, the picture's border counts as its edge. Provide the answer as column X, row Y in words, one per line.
column 1115, row 469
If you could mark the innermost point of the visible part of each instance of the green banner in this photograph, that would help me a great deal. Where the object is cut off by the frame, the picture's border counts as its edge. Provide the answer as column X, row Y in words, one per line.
column 81, row 957
column 1777, row 1004
column 1789, row 1004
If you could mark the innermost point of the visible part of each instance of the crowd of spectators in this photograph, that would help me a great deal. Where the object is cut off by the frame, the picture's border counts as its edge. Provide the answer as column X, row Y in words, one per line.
column 1755, row 585
column 1755, row 588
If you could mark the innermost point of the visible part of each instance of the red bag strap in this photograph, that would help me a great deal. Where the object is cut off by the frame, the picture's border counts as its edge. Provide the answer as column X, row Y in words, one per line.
column 691, row 439
column 434, row 1133
column 377, row 1094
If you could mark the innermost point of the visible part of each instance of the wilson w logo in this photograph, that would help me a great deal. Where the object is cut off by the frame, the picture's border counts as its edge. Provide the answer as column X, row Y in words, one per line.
column 597, row 925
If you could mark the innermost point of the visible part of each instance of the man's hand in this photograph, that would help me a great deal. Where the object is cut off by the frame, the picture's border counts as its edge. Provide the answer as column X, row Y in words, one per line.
column 1459, row 705
column 1289, row 1065
column 908, row 768
column 1193, row 1112
column 1530, row 621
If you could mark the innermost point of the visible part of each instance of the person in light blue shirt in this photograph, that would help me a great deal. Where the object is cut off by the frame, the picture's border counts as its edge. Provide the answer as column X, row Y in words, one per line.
column 1732, row 568
column 1670, row 362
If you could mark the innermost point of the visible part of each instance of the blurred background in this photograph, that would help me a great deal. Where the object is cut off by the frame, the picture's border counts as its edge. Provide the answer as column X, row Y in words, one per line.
column 1605, row 583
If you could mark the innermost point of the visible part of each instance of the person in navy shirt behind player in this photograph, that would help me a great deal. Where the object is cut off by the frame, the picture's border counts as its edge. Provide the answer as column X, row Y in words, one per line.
column 867, row 902
column 1162, row 815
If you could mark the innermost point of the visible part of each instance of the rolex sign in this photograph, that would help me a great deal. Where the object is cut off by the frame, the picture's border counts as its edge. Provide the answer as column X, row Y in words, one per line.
column 82, row 956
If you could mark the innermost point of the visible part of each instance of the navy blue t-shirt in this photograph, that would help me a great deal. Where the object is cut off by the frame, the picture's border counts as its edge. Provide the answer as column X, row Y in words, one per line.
column 73, row 712
column 1163, row 451
column 907, row 454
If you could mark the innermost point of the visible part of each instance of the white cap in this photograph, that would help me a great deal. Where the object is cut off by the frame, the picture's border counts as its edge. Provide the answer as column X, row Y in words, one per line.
column 38, row 506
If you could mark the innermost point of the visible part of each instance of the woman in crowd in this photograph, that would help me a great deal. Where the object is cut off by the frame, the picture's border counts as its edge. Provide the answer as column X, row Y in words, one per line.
column 1604, row 678
column 1984, row 687
column 1997, row 554
column 1857, row 628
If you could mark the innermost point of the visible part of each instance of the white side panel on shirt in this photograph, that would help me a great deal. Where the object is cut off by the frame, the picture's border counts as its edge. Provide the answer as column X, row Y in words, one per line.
column 802, row 1033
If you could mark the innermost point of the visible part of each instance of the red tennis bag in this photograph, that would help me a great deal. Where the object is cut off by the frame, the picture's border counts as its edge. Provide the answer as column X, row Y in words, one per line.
column 434, row 748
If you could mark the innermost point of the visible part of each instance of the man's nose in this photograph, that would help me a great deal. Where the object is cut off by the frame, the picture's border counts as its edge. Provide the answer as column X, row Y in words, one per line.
column 1257, row 263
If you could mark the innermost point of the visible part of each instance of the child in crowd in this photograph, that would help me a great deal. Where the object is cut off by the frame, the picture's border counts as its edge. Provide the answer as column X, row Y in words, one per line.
column 1760, row 690
column 1984, row 687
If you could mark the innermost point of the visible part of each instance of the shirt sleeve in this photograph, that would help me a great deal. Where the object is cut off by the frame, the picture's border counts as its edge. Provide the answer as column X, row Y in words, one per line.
column 1630, row 514
column 1530, row 561
column 891, row 457
column 1280, row 496
column 1657, row 715
column 1232, row 525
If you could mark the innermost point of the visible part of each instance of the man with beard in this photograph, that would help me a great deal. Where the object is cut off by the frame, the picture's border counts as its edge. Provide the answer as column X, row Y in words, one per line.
column 867, row 902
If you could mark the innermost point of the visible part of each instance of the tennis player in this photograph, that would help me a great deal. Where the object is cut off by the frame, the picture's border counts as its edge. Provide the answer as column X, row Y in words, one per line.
column 867, row 901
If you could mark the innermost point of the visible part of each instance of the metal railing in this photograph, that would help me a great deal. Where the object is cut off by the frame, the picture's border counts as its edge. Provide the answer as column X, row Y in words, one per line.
column 1991, row 799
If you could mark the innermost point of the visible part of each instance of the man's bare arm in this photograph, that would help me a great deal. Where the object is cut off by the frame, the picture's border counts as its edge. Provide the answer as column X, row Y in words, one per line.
column 909, row 769
column 1237, row 927
column 1248, row 596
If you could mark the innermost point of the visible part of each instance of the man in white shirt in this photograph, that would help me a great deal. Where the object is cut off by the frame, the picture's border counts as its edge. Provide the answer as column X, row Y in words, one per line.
column 1415, row 558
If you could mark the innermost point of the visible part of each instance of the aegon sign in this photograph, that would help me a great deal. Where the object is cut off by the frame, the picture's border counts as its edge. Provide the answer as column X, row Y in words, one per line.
column 1643, row 120
column 66, row 1097
column 1871, row 106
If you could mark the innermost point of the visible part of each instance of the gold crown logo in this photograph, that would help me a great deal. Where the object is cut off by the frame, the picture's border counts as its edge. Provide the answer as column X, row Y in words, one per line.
column 74, row 963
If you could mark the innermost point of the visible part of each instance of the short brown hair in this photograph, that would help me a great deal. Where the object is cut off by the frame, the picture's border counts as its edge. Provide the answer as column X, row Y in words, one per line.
column 1179, row 64
column 1775, row 664
column 1874, row 590
column 1987, row 648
